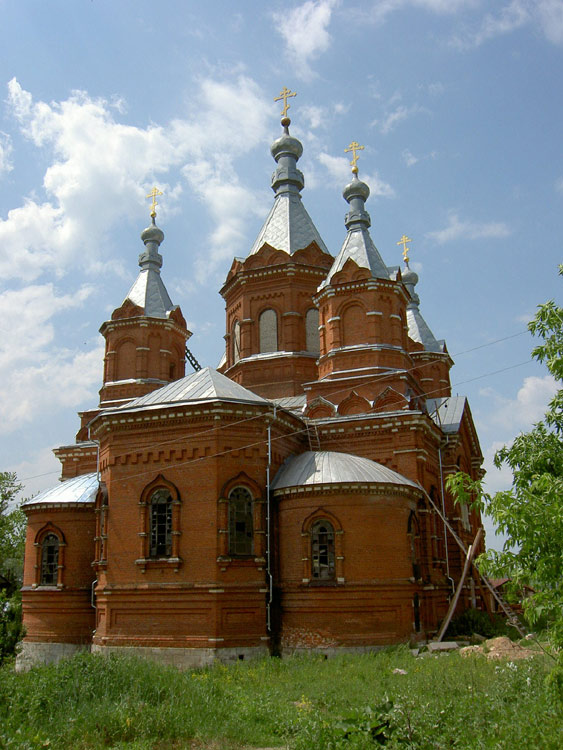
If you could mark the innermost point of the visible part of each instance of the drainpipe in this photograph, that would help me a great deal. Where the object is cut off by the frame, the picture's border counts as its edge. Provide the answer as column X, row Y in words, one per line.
column 269, row 531
column 95, row 581
column 444, row 520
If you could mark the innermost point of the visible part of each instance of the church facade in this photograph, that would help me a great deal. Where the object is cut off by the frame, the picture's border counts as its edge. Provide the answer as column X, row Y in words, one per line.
column 293, row 498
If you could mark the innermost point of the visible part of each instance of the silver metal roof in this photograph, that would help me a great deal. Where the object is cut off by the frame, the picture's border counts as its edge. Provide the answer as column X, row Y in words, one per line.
column 420, row 332
column 447, row 413
column 82, row 489
column 295, row 404
column 205, row 385
column 329, row 467
column 418, row 329
column 288, row 226
column 148, row 291
column 358, row 246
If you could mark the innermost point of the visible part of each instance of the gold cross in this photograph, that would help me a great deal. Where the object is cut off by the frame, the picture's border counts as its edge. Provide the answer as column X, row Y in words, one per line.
column 285, row 94
column 353, row 147
column 403, row 241
column 153, row 193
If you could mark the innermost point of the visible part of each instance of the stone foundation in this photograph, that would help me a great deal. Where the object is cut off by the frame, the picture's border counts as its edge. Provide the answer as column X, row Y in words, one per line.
column 33, row 654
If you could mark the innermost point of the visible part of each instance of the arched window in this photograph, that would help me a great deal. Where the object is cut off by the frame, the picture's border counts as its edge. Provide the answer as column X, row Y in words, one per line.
column 236, row 342
column 322, row 551
column 241, row 523
column 312, row 331
column 49, row 560
column 160, row 517
column 268, row 323
column 353, row 325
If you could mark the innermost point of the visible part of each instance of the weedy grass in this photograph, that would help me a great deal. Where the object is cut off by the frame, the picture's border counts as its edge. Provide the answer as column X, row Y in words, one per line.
column 304, row 703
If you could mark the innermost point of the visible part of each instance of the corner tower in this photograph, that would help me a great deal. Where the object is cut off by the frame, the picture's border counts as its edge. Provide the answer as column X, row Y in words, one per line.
column 272, row 338
column 146, row 336
column 362, row 304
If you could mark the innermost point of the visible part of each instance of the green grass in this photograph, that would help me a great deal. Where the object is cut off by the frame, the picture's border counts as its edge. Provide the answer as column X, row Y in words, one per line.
column 300, row 703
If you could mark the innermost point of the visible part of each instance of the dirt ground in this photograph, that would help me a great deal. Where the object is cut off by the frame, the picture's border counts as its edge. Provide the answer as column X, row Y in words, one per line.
column 498, row 648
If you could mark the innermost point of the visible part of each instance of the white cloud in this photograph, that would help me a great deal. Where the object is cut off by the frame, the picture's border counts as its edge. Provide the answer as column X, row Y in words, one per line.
column 37, row 374
column 546, row 15
column 26, row 317
column 101, row 170
column 458, row 229
column 409, row 158
column 305, row 32
column 527, row 408
column 5, row 153
column 338, row 168
column 382, row 8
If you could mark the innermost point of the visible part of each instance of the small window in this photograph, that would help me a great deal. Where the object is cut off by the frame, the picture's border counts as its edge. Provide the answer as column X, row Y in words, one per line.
column 322, row 551
column 268, row 323
column 236, row 342
column 241, row 524
column 50, row 560
column 312, row 331
column 160, row 524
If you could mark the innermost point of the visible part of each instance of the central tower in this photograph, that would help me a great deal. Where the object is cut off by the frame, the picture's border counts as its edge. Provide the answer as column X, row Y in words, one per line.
column 272, row 337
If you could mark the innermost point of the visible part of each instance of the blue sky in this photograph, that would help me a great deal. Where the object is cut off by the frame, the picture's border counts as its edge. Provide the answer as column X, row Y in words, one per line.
column 457, row 102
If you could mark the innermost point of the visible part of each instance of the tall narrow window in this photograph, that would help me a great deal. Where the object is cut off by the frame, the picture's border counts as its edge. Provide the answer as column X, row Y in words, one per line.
column 312, row 331
column 49, row 560
column 268, row 323
column 160, row 524
column 236, row 342
column 241, row 524
column 322, row 551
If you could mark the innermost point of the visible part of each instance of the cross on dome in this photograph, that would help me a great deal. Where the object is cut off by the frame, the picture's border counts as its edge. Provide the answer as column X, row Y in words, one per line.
column 153, row 193
column 403, row 241
column 354, row 147
column 285, row 94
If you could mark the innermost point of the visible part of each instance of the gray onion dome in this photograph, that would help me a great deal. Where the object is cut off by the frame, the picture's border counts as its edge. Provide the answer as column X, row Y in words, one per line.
column 286, row 145
column 152, row 234
column 356, row 189
column 409, row 276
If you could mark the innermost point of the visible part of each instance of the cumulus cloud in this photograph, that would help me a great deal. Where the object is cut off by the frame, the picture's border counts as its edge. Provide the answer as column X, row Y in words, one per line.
column 101, row 168
column 527, row 408
column 305, row 32
column 545, row 15
column 5, row 153
column 410, row 159
column 338, row 168
column 380, row 9
column 38, row 375
column 458, row 229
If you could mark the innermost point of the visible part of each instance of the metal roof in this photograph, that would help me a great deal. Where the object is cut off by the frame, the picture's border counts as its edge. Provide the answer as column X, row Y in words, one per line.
column 205, row 385
column 447, row 413
column 295, row 404
column 358, row 246
column 149, row 293
column 329, row 467
column 82, row 489
column 420, row 332
column 288, row 226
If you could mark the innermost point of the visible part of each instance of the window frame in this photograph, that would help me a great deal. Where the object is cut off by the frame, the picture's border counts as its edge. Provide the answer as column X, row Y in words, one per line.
column 321, row 515
column 171, row 556
column 49, row 530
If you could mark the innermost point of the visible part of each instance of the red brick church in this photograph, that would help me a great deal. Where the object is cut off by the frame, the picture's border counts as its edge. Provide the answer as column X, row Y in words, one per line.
column 293, row 498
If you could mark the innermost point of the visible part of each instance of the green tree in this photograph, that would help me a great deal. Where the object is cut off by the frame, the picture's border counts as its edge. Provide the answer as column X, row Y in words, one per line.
column 12, row 544
column 530, row 513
